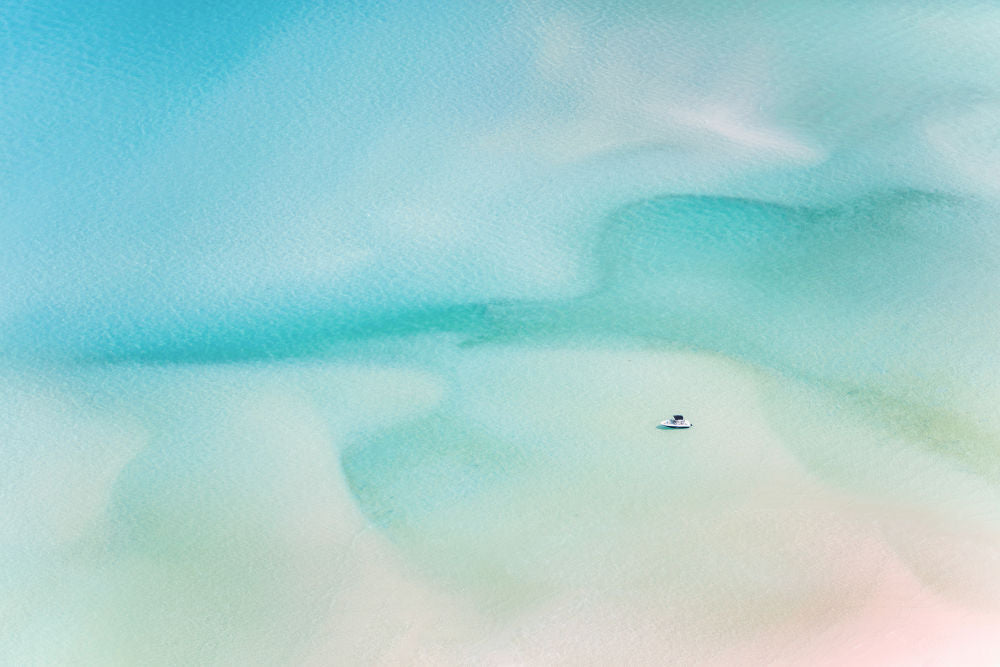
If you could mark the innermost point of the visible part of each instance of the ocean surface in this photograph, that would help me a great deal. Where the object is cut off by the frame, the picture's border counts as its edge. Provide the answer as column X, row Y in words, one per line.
column 337, row 333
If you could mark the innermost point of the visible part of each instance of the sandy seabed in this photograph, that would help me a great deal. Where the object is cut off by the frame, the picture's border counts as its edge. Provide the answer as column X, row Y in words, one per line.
column 493, row 504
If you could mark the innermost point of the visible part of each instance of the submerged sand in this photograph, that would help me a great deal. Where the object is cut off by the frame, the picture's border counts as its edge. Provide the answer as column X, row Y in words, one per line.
column 502, row 504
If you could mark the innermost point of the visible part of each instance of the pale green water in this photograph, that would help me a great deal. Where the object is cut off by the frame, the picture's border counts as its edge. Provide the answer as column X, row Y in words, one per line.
column 338, row 335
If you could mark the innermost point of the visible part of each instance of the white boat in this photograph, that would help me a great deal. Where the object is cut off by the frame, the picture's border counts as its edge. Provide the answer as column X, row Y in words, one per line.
column 677, row 421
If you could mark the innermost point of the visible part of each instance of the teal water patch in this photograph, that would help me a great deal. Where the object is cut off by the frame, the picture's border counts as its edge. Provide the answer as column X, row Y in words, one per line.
column 873, row 290
column 151, row 232
column 729, row 274
column 888, row 300
column 406, row 474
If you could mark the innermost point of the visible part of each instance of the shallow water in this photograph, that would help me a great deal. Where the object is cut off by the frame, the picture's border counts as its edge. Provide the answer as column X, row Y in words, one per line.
column 339, row 334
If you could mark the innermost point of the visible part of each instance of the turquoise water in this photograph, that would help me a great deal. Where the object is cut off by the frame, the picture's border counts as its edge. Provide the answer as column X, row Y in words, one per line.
column 337, row 333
